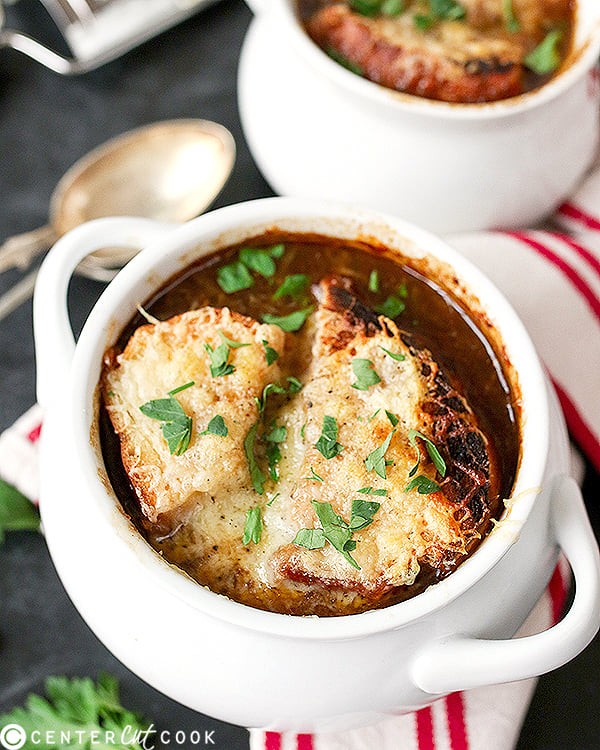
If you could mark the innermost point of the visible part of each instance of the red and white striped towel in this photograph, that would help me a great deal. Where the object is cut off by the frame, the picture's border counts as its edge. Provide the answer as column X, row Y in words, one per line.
column 553, row 281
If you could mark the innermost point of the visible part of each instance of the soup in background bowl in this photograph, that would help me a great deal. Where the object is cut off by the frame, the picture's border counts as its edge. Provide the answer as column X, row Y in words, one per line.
column 319, row 130
column 234, row 661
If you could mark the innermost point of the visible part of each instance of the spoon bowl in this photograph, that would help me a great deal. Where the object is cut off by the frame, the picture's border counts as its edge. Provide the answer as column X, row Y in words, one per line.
column 170, row 171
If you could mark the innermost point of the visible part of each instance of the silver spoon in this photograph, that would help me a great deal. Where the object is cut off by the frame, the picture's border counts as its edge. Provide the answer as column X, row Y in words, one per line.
column 170, row 171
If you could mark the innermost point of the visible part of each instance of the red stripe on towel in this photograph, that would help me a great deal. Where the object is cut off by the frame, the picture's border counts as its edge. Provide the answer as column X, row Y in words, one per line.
column 425, row 738
column 578, row 282
column 576, row 213
column 583, row 252
column 457, row 729
column 272, row 741
column 578, row 428
column 34, row 435
column 304, row 742
column 558, row 594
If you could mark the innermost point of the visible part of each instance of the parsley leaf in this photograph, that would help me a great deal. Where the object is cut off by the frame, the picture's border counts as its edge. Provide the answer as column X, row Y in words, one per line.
column 371, row 491
column 448, row 10
column 315, row 476
column 234, row 277
column 16, row 512
column 434, row 454
column 292, row 322
column 545, row 58
column 219, row 366
column 423, row 485
column 391, row 307
column 253, row 528
column 392, row 417
column 393, row 355
column 256, row 475
column 375, row 461
column 277, row 434
column 217, row 427
column 176, row 426
column 327, row 443
column 510, row 20
column 180, row 388
column 365, row 374
column 83, row 709
column 294, row 386
column 270, row 354
column 374, row 281
column 231, row 344
column 334, row 528
column 258, row 260
column 293, row 286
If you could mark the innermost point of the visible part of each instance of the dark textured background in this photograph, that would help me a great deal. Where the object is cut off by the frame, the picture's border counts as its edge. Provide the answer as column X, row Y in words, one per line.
column 46, row 123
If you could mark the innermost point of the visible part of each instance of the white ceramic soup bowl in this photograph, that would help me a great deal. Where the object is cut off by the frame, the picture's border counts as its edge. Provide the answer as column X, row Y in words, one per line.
column 317, row 130
column 262, row 669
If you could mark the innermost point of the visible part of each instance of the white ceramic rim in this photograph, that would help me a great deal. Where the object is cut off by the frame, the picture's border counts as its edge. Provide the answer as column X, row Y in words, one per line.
column 586, row 52
column 154, row 265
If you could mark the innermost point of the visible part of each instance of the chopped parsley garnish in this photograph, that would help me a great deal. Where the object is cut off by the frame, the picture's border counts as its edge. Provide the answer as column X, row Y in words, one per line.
column 180, row 388
column 392, row 8
column 374, row 281
column 439, row 10
column 423, row 485
column 234, row 277
column 270, row 354
column 277, row 434
column 293, row 286
column 372, row 491
column 17, row 513
column 216, row 427
column 327, row 443
column 344, row 62
column 256, row 475
column 392, row 417
column 375, row 461
column 253, row 528
column 434, row 454
column 391, row 307
column 366, row 7
column 258, row 260
column 219, row 366
column 510, row 20
column 231, row 344
column 393, row 355
column 294, row 386
column 365, row 374
column 292, row 322
column 545, row 58
column 335, row 530
column 237, row 276
column 176, row 426
column 314, row 476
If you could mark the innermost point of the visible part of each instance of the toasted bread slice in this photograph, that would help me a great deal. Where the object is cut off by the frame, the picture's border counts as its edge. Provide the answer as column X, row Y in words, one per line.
column 410, row 529
column 452, row 61
column 164, row 356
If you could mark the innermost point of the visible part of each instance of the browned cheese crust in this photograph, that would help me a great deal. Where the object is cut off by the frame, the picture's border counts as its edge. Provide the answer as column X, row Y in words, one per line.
column 410, row 529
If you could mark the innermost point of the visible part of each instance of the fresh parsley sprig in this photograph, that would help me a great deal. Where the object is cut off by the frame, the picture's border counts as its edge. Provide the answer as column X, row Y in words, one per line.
column 254, row 526
column 16, row 512
column 424, row 485
column 83, row 708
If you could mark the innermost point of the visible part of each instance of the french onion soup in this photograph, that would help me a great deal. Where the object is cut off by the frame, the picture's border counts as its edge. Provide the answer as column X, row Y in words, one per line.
column 310, row 426
column 461, row 51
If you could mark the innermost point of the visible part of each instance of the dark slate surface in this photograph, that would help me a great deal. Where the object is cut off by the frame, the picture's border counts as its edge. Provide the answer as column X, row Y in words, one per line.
column 46, row 123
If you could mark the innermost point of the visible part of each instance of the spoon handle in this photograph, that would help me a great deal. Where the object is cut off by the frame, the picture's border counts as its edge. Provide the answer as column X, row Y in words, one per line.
column 21, row 249
column 17, row 294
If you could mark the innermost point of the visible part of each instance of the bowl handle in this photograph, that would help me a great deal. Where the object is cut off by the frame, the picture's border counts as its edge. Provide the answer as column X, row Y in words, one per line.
column 54, row 340
column 462, row 662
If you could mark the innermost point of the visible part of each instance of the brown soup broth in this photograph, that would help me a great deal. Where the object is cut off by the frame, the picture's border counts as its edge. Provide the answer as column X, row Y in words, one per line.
column 433, row 316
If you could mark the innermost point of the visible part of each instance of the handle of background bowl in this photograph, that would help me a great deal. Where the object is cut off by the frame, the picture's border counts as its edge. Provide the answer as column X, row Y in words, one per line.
column 54, row 340
column 463, row 662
